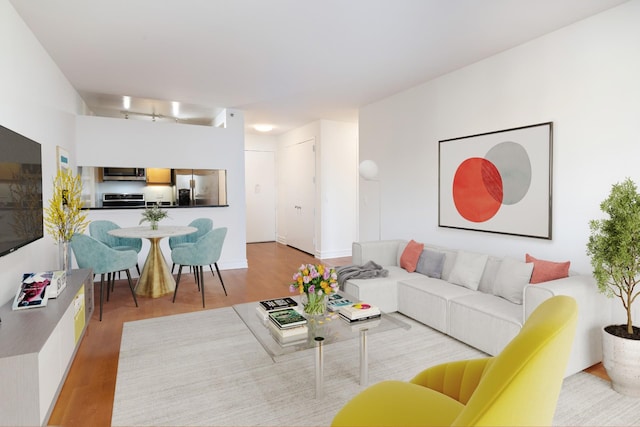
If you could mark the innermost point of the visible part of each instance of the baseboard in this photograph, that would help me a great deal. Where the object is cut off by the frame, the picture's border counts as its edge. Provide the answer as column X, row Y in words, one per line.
column 334, row 254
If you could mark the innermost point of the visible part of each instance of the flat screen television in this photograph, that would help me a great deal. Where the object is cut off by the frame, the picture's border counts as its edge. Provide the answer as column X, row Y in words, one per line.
column 20, row 191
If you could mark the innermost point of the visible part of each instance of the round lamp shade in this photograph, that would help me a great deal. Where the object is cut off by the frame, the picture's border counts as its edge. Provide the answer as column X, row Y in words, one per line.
column 368, row 170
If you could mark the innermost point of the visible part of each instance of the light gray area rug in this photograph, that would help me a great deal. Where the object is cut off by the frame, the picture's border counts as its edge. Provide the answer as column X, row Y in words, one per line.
column 207, row 369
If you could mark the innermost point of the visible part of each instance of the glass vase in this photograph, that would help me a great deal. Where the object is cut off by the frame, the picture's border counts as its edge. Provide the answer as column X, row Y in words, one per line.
column 154, row 225
column 314, row 304
column 64, row 255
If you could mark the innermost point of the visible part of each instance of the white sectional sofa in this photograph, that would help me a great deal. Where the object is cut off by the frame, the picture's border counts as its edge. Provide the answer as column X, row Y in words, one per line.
column 479, row 317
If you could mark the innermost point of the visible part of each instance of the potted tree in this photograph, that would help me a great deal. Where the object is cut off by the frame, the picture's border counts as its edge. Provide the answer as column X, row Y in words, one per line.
column 614, row 248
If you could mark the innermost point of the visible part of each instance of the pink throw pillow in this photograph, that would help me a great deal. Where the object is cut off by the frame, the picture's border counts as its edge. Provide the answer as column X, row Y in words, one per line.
column 410, row 256
column 543, row 271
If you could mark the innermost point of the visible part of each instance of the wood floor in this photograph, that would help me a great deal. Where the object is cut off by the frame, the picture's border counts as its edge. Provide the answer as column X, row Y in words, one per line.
column 87, row 395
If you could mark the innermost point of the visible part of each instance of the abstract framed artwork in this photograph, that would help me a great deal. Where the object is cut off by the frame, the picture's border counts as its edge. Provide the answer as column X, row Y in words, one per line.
column 498, row 182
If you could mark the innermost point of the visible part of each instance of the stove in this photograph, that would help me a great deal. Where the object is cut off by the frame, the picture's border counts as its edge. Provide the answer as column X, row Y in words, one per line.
column 122, row 200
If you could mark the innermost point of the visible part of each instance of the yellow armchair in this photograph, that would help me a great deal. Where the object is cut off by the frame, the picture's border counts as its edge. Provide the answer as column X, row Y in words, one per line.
column 518, row 387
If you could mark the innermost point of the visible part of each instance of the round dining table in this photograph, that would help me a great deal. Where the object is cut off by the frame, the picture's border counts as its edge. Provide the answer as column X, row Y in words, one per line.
column 155, row 279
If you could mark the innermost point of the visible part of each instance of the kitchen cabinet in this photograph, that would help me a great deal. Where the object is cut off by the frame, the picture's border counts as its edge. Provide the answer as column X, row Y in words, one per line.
column 159, row 176
column 37, row 347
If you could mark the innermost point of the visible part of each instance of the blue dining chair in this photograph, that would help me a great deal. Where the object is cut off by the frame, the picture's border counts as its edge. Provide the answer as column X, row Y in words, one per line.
column 204, row 225
column 99, row 230
column 205, row 251
column 91, row 253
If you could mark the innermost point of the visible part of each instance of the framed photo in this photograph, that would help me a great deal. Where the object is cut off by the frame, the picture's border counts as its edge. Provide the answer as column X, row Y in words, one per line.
column 498, row 182
column 63, row 158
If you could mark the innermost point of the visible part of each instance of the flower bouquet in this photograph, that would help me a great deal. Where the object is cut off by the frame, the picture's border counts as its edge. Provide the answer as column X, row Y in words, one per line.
column 314, row 283
column 153, row 215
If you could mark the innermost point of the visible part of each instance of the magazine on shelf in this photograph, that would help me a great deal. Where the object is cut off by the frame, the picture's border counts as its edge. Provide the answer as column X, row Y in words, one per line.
column 364, row 319
column 297, row 333
column 359, row 325
column 32, row 292
column 358, row 311
column 287, row 318
column 336, row 301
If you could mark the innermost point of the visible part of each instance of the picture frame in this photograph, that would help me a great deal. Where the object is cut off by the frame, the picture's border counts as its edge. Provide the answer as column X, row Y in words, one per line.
column 62, row 157
column 498, row 182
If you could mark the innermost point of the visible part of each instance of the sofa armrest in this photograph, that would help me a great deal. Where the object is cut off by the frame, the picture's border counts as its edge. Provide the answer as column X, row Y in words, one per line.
column 582, row 288
column 383, row 252
column 593, row 313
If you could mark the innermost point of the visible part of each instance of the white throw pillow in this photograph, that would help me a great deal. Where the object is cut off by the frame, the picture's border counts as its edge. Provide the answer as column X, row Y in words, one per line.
column 489, row 276
column 468, row 269
column 512, row 277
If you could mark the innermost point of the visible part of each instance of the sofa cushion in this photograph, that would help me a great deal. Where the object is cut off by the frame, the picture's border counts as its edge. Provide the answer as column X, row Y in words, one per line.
column 512, row 277
column 484, row 321
column 468, row 269
column 489, row 276
column 427, row 300
column 543, row 271
column 410, row 256
column 430, row 263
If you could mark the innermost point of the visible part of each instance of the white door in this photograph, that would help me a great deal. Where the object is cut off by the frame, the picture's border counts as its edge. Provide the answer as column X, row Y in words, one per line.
column 301, row 196
column 260, row 195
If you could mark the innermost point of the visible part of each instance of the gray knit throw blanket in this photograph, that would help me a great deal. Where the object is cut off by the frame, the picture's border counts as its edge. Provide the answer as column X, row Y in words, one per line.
column 368, row 270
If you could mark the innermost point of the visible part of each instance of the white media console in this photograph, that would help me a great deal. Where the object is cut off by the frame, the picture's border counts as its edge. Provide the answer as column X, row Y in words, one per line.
column 37, row 347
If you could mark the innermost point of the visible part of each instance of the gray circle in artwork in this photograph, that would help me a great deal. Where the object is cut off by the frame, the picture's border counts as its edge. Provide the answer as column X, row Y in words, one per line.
column 514, row 166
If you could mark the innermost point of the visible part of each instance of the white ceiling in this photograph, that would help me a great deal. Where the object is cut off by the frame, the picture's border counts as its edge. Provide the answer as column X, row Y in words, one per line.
column 284, row 62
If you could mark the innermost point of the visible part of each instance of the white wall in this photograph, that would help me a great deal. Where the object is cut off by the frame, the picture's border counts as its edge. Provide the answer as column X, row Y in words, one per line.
column 103, row 141
column 336, row 183
column 584, row 77
column 38, row 102
column 338, row 188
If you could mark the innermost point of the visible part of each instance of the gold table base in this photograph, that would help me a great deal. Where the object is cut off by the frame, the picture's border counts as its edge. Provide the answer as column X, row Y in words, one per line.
column 155, row 279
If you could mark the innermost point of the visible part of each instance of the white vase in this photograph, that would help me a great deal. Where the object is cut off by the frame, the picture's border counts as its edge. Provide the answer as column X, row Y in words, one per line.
column 621, row 360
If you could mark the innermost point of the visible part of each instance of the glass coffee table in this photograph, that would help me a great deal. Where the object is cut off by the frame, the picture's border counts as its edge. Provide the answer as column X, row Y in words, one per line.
column 322, row 330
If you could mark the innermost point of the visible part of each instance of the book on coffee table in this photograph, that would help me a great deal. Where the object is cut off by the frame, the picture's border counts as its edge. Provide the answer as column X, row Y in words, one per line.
column 335, row 301
column 359, row 311
column 287, row 318
column 263, row 308
column 278, row 303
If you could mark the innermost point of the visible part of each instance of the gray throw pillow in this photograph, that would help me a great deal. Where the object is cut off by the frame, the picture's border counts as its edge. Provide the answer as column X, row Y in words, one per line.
column 430, row 263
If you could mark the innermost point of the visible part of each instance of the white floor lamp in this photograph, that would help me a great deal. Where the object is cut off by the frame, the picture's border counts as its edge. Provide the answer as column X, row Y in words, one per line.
column 368, row 170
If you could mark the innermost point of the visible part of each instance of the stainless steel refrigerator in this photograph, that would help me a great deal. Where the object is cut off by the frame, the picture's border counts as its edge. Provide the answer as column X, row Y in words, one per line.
column 200, row 187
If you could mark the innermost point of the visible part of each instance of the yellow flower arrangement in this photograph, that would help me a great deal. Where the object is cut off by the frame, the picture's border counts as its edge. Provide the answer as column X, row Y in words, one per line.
column 64, row 217
column 314, row 281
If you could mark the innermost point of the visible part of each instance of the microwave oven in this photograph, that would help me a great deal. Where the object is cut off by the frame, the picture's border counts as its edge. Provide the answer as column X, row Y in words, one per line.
column 124, row 174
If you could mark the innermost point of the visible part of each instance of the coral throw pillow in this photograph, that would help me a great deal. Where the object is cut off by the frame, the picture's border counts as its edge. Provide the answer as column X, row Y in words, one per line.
column 410, row 256
column 543, row 271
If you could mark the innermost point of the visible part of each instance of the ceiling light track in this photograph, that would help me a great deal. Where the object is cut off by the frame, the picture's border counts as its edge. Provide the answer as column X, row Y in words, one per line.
column 153, row 116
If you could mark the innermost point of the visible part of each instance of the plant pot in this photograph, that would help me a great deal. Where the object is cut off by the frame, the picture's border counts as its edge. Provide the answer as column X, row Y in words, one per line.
column 621, row 360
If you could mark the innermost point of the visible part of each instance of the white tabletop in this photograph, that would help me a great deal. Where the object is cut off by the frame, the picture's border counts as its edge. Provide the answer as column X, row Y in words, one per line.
column 147, row 233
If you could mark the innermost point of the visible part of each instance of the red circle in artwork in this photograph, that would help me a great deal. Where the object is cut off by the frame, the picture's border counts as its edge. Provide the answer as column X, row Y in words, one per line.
column 477, row 189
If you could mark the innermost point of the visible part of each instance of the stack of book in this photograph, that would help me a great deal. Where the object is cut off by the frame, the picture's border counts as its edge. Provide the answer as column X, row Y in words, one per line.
column 288, row 325
column 270, row 305
column 359, row 312
column 336, row 301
